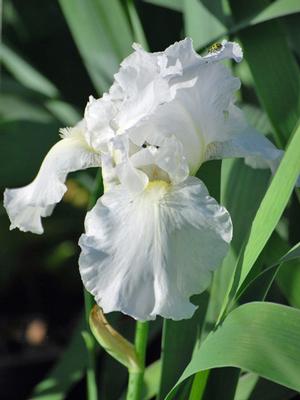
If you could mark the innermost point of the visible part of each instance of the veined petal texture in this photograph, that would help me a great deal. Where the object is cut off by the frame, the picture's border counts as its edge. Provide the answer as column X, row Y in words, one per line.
column 257, row 150
column 146, row 254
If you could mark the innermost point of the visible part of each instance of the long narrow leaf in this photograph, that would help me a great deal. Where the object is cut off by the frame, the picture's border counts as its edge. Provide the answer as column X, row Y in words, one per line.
column 137, row 28
column 273, row 67
column 267, row 345
column 25, row 73
column 201, row 23
column 177, row 346
column 102, row 34
column 272, row 206
column 251, row 387
column 264, row 279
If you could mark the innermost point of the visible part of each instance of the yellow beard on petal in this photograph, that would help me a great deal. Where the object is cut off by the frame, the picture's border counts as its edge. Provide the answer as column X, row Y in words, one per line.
column 157, row 189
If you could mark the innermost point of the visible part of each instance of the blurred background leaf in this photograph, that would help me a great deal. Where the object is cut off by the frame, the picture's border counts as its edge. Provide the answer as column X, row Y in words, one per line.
column 98, row 37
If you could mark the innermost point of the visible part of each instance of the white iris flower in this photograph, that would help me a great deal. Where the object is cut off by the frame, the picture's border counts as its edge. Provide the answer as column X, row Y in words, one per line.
column 155, row 237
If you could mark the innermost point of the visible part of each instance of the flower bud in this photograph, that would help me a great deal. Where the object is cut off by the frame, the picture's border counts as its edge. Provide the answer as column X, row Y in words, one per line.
column 114, row 343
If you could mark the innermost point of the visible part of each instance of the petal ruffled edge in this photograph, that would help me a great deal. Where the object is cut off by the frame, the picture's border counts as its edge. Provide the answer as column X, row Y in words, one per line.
column 188, row 57
column 146, row 254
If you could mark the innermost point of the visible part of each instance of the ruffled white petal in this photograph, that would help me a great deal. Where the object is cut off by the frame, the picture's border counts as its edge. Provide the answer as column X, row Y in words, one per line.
column 197, row 116
column 184, row 52
column 98, row 116
column 27, row 205
column 227, row 50
column 144, row 81
column 134, row 179
column 257, row 150
column 165, row 157
column 146, row 254
column 145, row 85
column 165, row 94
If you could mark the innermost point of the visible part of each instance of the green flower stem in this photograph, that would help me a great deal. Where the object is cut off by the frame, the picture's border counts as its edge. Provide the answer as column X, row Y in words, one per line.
column 135, row 383
column 92, row 392
column 88, row 305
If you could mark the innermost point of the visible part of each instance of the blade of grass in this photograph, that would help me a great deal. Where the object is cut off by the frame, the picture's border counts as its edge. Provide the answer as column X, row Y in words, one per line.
column 63, row 111
column 102, row 34
column 267, row 53
column 214, row 16
column 251, row 387
column 277, row 9
column 242, row 205
column 288, row 280
column 31, row 79
column 241, row 225
column 272, row 206
column 25, row 73
column 178, row 342
column 203, row 21
column 268, row 344
column 267, row 216
column 151, row 380
column 17, row 108
column 137, row 28
column 265, row 278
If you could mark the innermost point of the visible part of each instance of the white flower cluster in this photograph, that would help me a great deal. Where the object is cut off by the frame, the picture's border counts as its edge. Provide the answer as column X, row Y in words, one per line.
column 155, row 236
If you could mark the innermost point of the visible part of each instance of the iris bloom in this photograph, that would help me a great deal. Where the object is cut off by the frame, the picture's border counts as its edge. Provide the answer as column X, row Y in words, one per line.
column 155, row 237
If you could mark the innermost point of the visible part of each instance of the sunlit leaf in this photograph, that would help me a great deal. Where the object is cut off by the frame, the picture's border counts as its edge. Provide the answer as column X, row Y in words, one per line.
column 270, row 59
column 259, row 337
column 203, row 21
column 271, row 207
column 102, row 34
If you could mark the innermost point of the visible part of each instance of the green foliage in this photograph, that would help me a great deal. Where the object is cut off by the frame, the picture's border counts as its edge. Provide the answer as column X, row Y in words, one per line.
column 269, row 58
column 270, row 210
column 97, row 36
column 177, row 346
column 259, row 337
column 69, row 369
column 203, row 22
column 25, row 74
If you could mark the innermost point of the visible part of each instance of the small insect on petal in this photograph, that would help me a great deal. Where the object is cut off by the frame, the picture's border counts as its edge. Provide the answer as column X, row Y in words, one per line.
column 214, row 47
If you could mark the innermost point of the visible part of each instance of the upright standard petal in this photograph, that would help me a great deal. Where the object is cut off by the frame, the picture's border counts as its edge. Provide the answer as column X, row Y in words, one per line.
column 147, row 254
column 98, row 115
column 25, row 206
column 144, row 81
column 197, row 115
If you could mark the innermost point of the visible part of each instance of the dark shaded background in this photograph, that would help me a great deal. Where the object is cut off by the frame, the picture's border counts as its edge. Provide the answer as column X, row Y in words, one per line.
column 40, row 287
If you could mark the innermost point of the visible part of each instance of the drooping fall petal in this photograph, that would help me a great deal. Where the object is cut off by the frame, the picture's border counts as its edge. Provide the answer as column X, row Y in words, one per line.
column 146, row 254
column 27, row 205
